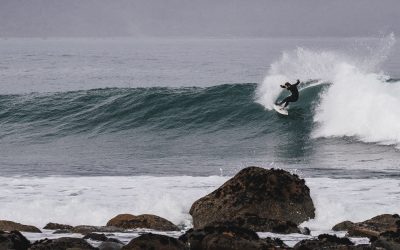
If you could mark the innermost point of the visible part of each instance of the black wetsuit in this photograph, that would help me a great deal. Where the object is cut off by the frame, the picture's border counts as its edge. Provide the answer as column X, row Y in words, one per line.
column 293, row 97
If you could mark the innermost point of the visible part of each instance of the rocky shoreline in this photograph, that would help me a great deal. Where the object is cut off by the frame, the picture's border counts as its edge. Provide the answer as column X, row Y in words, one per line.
column 254, row 200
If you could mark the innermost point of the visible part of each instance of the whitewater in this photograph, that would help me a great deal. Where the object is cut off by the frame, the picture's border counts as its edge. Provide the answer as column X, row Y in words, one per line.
column 358, row 102
column 90, row 128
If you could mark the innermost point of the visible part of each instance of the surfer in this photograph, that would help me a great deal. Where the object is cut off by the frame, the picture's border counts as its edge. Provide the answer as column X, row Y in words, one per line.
column 293, row 97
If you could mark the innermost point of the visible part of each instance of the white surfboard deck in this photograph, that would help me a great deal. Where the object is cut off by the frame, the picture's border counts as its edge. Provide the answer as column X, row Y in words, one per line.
column 280, row 110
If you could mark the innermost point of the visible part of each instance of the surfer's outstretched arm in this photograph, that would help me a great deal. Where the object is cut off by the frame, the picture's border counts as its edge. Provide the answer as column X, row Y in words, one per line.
column 297, row 83
column 282, row 86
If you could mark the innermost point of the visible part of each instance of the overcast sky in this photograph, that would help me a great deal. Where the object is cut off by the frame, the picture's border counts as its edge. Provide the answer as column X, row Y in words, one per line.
column 198, row 18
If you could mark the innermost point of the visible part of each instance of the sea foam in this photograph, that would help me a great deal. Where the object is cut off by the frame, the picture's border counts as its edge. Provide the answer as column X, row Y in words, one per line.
column 95, row 200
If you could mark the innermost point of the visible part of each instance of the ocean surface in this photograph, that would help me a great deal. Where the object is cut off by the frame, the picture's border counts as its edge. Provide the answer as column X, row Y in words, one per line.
column 90, row 128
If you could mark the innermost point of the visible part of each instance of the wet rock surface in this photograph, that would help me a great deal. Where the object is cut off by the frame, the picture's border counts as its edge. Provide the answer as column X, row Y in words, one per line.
column 267, row 194
column 275, row 243
column 57, row 226
column 95, row 236
column 258, row 224
column 62, row 231
column 129, row 221
column 86, row 229
column 13, row 240
column 343, row 226
column 62, row 244
column 372, row 227
column 225, row 237
column 6, row 225
column 154, row 241
column 111, row 244
column 387, row 240
column 324, row 241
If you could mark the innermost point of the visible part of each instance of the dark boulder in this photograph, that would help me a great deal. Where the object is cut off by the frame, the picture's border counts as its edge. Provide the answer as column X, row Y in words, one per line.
column 275, row 243
column 372, row 227
column 225, row 238
column 129, row 221
column 56, row 226
column 343, row 226
column 258, row 224
column 387, row 240
column 324, row 241
column 111, row 244
column 85, row 229
column 6, row 225
column 95, row 236
column 13, row 240
column 267, row 194
column 154, row 242
column 62, row 244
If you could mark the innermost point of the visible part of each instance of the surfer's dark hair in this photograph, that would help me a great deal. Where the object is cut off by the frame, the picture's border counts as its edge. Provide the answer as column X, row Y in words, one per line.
column 287, row 83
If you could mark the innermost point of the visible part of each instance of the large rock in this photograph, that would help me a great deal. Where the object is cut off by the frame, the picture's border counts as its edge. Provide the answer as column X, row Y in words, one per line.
column 56, row 226
column 154, row 241
column 258, row 224
column 275, row 243
column 372, row 227
column 83, row 229
column 129, row 221
column 13, row 240
column 95, row 237
column 6, row 225
column 343, row 226
column 111, row 244
column 326, row 241
column 268, row 194
column 226, row 238
column 388, row 240
column 64, row 243
column 86, row 229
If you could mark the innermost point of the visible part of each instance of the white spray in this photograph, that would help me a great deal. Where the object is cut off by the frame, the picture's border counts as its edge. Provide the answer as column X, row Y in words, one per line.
column 359, row 102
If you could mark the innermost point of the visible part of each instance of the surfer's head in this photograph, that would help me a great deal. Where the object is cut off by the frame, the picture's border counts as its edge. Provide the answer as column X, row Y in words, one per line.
column 287, row 84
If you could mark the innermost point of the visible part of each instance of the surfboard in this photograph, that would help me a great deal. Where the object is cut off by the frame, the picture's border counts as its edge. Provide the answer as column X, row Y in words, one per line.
column 280, row 110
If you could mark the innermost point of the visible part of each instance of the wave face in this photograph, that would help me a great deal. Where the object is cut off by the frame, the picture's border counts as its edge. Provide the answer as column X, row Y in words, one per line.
column 113, row 110
column 174, row 110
